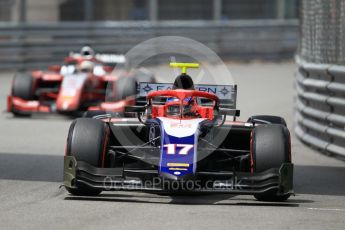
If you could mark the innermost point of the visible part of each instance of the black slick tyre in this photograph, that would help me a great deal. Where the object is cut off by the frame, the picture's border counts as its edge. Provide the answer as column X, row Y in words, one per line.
column 267, row 119
column 270, row 149
column 22, row 88
column 87, row 141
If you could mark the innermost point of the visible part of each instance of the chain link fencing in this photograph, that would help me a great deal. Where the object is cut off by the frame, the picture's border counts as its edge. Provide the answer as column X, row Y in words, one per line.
column 323, row 31
column 320, row 81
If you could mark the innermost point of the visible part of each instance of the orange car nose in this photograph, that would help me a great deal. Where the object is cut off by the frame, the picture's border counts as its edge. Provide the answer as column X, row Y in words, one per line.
column 67, row 103
column 70, row 92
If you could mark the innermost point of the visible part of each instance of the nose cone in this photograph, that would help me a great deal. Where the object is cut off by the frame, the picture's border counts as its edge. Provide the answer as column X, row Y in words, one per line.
column 70, row 92
column 171, row 177
column 67, row 103
column 178, row 148
column 183, row 183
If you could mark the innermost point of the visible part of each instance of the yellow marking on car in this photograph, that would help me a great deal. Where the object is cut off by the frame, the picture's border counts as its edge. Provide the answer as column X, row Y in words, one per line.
column 179, row 169
column 178, row 165
column 67, row 97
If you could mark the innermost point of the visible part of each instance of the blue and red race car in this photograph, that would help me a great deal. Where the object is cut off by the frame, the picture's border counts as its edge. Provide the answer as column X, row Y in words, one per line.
column 84, row 82
column 181, row 142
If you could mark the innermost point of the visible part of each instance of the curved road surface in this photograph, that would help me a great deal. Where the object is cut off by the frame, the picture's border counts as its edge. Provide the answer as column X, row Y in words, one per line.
column 31, row 155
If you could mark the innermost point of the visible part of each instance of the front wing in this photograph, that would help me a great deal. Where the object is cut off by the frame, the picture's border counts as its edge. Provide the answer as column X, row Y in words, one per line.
column 120, row 179
column 18, row 105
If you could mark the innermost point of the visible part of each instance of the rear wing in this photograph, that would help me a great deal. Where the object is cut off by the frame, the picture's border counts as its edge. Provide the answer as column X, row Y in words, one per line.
column 106, row 58
column 227, row 94
column 111, row 59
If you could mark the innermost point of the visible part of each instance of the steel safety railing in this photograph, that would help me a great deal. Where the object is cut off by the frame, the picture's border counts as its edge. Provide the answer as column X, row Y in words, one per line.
column 27, row 46
column 320, row 106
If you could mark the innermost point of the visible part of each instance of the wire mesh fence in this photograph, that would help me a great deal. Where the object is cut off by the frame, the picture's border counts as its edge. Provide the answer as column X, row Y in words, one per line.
column 323, row 31
column 320, row 81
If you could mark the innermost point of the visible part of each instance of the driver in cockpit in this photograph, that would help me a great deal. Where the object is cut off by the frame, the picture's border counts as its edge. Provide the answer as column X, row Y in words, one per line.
column 189, row 104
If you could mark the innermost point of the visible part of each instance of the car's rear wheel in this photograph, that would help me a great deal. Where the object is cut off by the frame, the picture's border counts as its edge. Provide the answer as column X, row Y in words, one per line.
column 121, row 89
column 270, row 149
column 143, row 76
column 267, row 119
column 22, row 88
column 95, row 113
column 87, row 141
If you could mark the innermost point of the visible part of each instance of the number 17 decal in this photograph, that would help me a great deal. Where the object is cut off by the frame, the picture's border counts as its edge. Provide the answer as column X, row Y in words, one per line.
column 171, row 148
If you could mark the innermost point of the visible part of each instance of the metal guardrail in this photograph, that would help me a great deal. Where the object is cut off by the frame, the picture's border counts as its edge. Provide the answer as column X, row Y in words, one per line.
column 28, row 46
column 320, row 106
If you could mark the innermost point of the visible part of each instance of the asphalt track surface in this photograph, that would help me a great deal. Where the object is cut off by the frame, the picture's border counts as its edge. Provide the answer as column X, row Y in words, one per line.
column 31, row 162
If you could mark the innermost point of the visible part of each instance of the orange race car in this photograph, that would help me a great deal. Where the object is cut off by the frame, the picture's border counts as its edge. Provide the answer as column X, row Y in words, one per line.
column 83, row 83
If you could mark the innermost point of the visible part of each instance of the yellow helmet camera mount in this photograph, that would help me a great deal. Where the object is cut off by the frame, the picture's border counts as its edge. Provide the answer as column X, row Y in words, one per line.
column 184, row 66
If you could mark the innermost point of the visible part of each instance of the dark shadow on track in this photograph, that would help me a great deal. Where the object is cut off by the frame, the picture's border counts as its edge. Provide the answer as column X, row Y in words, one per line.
column 31, row 167
column 191, row 199
column 319, row 180
column 229, row 200
column 184, row 200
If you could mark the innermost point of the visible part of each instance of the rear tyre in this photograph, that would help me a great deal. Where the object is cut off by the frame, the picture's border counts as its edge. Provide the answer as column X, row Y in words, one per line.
column 22, row 88
column 270, row 149
column 142, row 75
column 93, row 113
column 267, row 119
column 87, row 141
column 121, row 89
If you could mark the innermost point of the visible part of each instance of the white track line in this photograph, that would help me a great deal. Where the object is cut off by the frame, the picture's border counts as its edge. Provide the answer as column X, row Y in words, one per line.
column 328, row 209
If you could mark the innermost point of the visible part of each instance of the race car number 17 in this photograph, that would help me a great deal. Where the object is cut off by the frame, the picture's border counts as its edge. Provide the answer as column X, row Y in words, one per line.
column 183, row 149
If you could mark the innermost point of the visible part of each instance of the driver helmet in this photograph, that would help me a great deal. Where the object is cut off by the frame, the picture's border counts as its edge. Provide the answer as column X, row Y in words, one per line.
column 173, row 106
column 87, row 52
column 173, row 109
column 183, row 81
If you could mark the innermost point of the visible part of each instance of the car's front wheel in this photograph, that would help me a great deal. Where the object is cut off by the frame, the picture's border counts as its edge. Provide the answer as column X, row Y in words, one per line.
column 87, row 141
column 270, row 149
column 22, row 88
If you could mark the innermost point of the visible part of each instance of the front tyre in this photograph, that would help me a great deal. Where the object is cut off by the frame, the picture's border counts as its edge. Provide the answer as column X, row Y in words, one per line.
column 22, row 88
column 270, row 149
column 87, row 141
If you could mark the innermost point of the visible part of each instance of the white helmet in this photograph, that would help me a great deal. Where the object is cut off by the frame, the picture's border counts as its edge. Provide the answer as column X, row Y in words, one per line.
column 87, row 51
